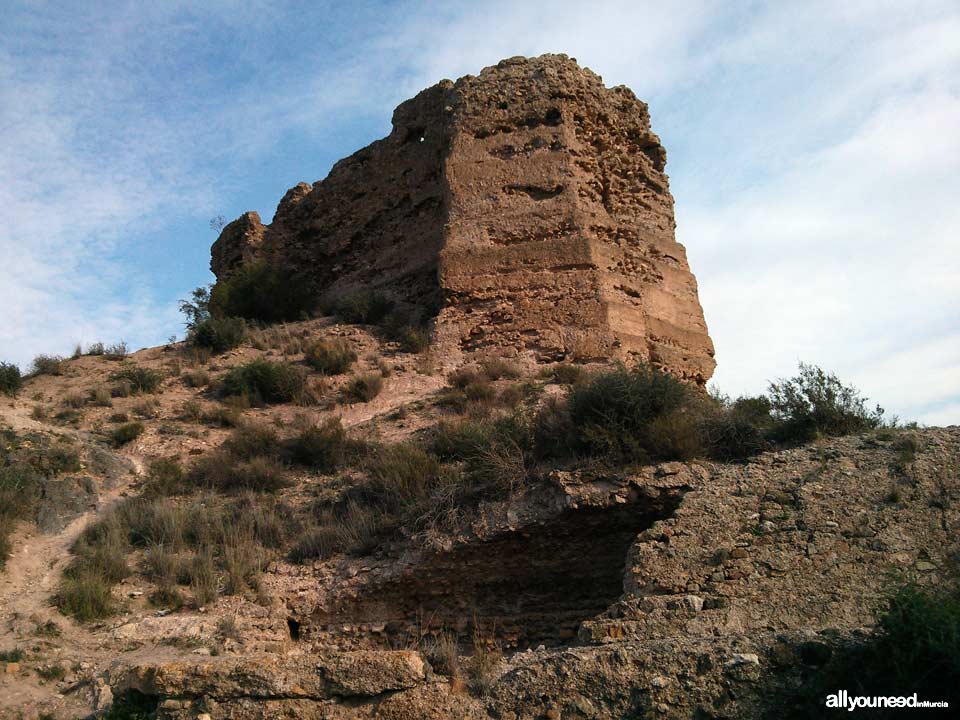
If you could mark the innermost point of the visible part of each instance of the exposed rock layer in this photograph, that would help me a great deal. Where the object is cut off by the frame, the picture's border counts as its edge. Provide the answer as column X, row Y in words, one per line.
column 525, row 210
column 748, row 583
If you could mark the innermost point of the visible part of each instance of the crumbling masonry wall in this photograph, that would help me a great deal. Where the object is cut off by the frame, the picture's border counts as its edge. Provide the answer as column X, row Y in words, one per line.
column 525, row 210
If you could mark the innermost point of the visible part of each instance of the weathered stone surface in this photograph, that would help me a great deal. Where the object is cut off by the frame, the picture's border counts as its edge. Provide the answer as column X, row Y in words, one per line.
column 238, row 243
column 752, row 577
column 526, row 210
column 65, row 499
column 350, row 674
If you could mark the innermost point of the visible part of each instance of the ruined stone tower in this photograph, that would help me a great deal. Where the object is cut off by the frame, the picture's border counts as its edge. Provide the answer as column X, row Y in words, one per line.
column 525, row 210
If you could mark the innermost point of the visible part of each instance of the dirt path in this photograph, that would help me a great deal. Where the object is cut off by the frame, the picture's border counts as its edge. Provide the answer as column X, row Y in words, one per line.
column 27, row 584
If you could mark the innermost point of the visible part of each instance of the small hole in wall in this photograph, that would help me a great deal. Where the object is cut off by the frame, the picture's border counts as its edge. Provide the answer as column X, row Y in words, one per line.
column 294, row 627
column 416, row 134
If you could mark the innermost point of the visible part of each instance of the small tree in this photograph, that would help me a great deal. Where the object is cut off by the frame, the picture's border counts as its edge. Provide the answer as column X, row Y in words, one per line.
column 197, row 309
column 206, row 329
column 10, row 378
column 816, row 403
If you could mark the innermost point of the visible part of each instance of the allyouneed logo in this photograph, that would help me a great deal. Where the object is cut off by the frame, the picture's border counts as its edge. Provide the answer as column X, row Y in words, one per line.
column 843, row 699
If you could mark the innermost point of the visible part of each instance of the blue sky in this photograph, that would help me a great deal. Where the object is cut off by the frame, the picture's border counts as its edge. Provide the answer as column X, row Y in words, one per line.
column 812, row 148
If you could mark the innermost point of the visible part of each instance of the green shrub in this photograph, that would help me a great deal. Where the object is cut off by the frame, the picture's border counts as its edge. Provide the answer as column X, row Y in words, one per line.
column 51, row 672
column 330, row 357
column 738, row 430
column 166, row 477
column 10, row 378
column 46, row 365
column 11, row 656
column 196, row 378
column 251, row 440
column 364, row 388
column 152, row 521
column 400, row 476
column 460, row 440
column 564, row 374
column 906, row 446
column 126, row 433
column 226, row 473
column 219, row 334
column 362, row 307
column 261, row 291
column 915, row 648
column 470, row 390
column 613, row 413
column 265, row 381
column 324, row 447
column 816, row 403
column 138, row 379
column 95, row 349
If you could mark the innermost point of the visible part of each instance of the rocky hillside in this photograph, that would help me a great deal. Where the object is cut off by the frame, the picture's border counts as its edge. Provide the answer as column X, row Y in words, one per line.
column 666, row 590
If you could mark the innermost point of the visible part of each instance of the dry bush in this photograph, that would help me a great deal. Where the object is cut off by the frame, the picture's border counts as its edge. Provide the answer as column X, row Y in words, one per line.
column 220, row 416
column 443, row 653
column 485, row 663
column 364, row 388
column 204, row 583
column 147, row 408
column 161, row 565
column 330, row 357
column 498, row 369
column 100, row 396
column 73, row 398
column 198, row 378
column 353, row 527
column 192, row 411
column 564, row 374
column 47, row 365
column 228, row 629
column 117, row 351
column 243, row 562
column 247, row 460
column 121, row 389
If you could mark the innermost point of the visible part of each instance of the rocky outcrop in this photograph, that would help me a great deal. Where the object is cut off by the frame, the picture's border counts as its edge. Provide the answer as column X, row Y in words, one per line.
column 739, row 581
column 239, row 243
column 525, row 211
